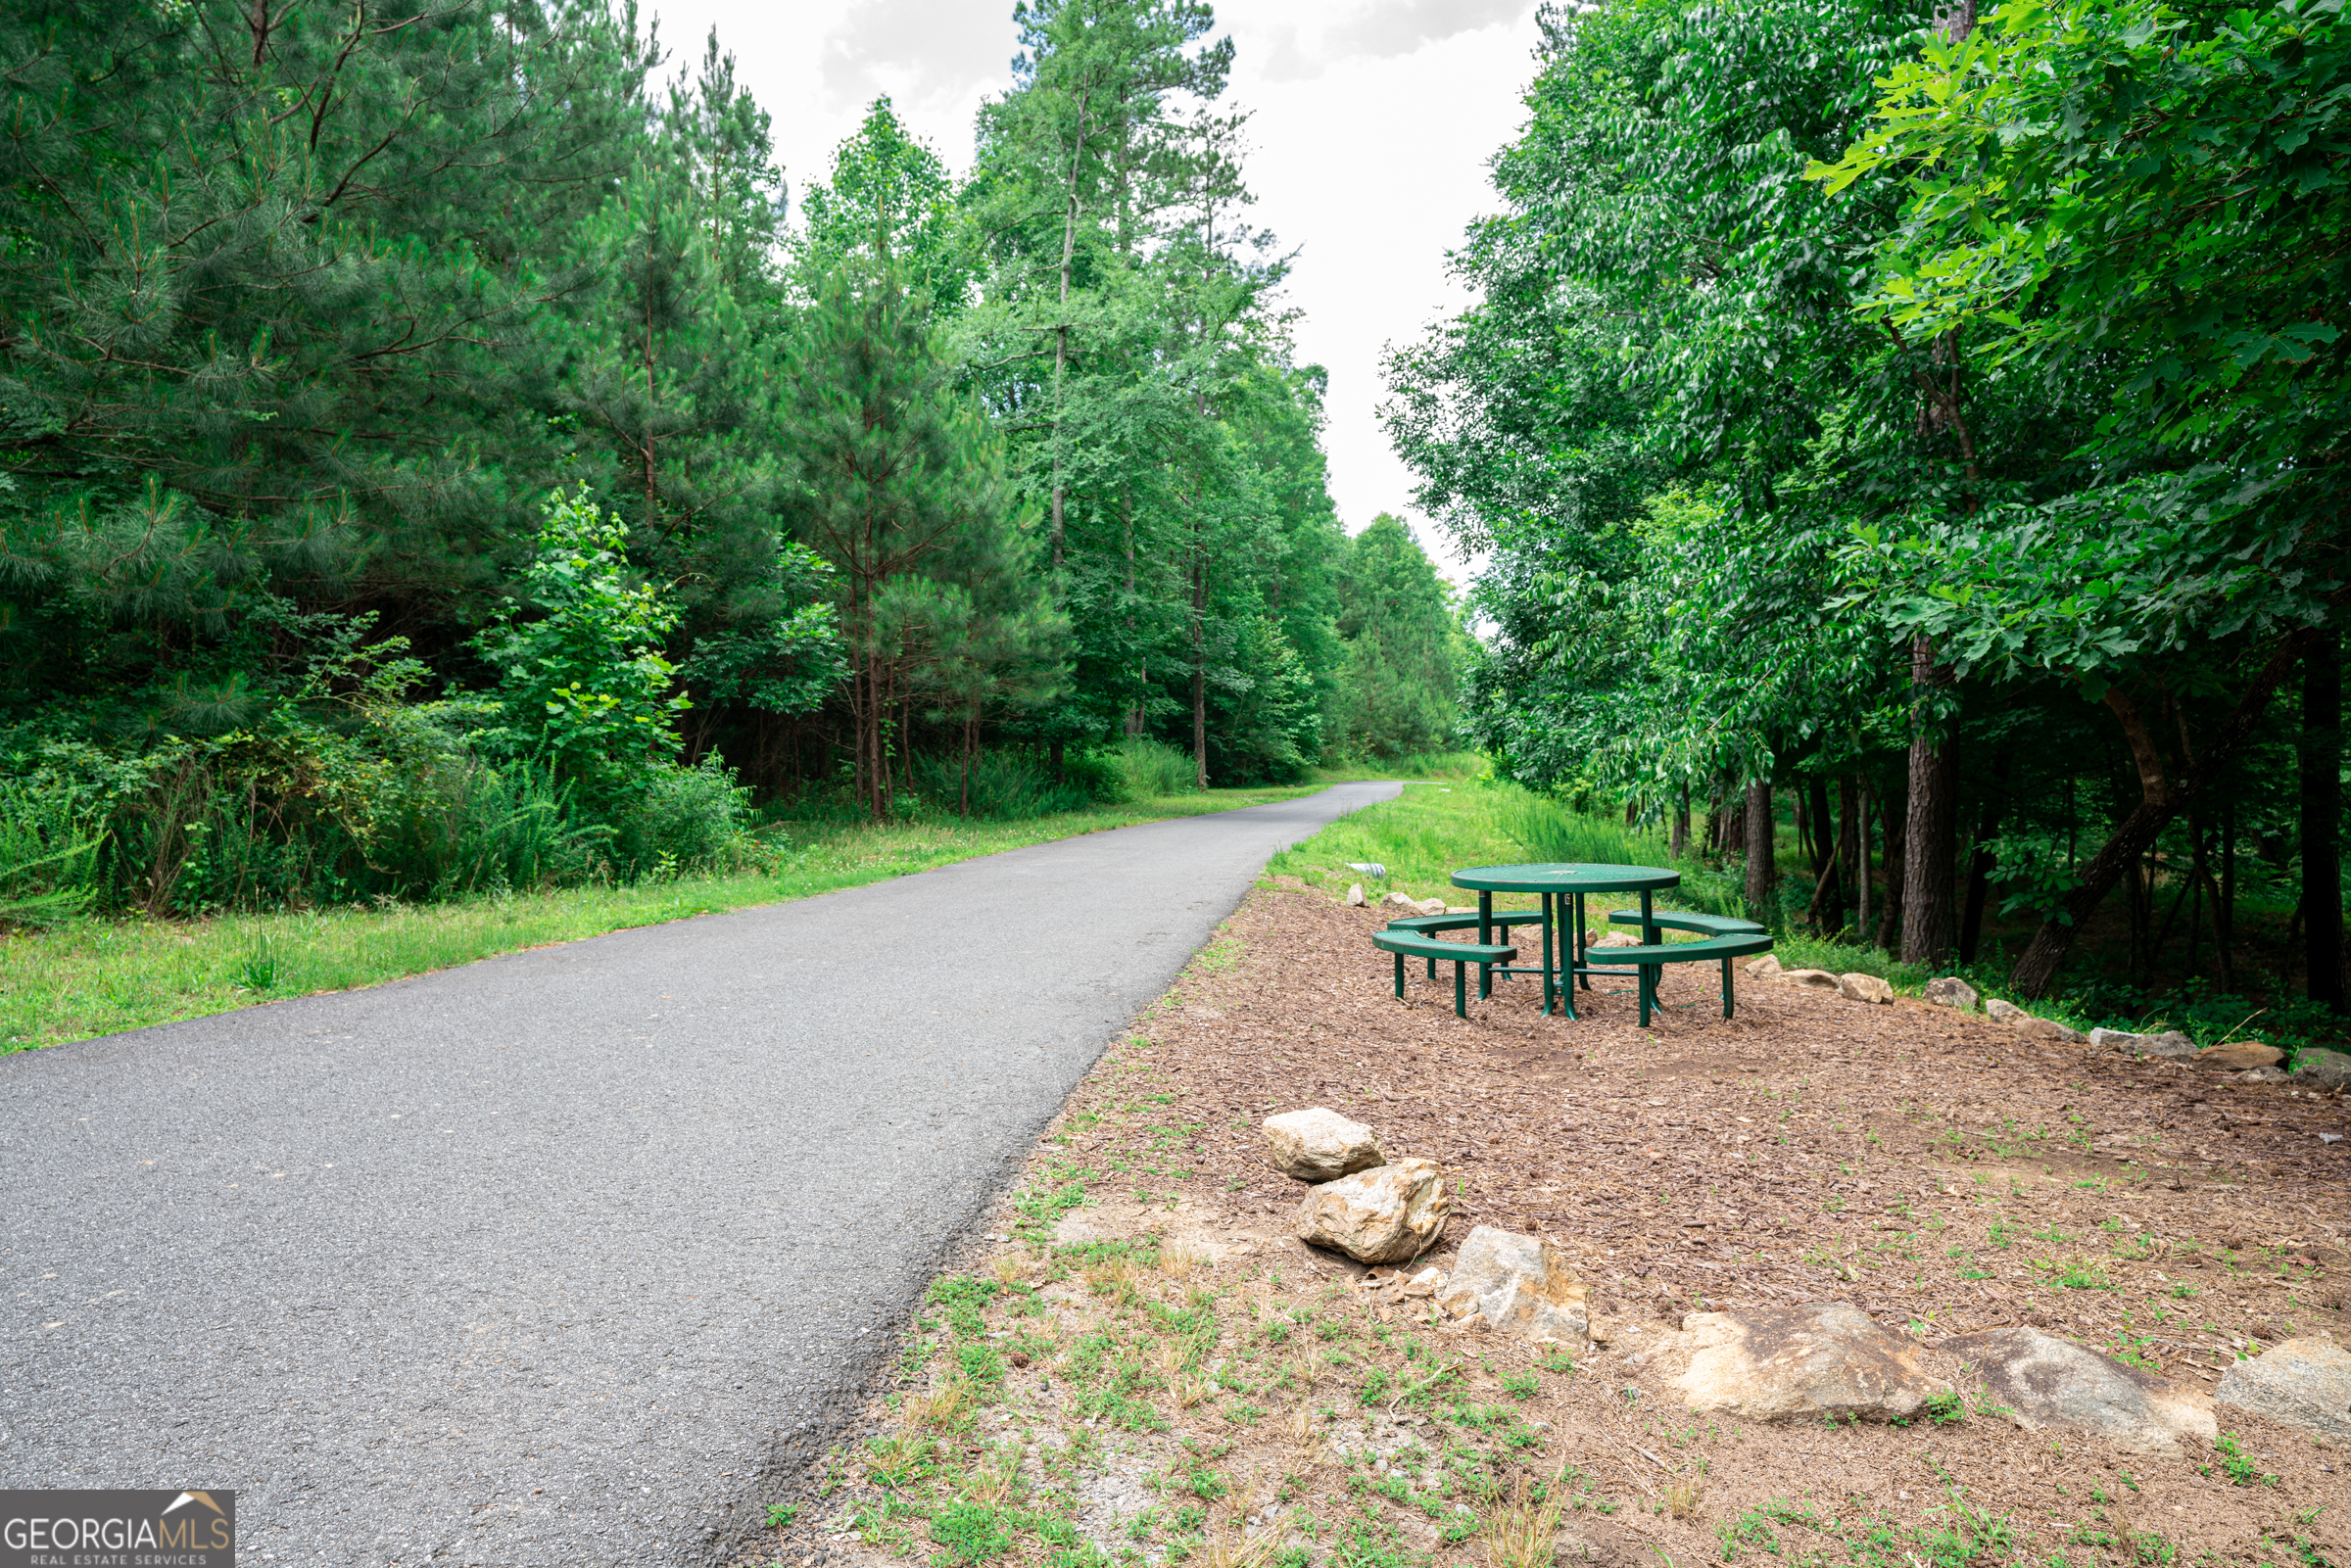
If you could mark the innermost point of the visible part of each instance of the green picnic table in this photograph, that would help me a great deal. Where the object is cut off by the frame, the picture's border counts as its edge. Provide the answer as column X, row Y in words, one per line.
column 1561, row 890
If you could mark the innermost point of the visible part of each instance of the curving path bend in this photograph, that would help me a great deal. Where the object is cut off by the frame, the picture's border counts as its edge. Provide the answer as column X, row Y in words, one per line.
column 551, row 1258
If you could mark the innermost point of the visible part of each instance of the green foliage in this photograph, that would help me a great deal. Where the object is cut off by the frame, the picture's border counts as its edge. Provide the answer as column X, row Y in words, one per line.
column 1396, row 690
column 584, row 683
column 973, row 1532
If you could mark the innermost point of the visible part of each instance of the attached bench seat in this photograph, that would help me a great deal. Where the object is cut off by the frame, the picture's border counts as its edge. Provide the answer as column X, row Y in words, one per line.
column 1650, row 961
column 1430, row 925
column 1485, row 955
column 1674, row 919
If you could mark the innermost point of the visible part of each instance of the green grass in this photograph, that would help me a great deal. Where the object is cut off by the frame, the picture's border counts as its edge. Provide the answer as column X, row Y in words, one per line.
column 97, row 976
column 1437, row 828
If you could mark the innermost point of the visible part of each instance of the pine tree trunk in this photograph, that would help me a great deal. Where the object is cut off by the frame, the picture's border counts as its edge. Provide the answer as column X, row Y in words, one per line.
column 1763, row 879
column 2322, row 760
column 1681, row 823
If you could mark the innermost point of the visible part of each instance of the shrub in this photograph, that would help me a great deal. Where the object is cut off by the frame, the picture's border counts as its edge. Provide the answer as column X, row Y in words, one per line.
column 1148, row 767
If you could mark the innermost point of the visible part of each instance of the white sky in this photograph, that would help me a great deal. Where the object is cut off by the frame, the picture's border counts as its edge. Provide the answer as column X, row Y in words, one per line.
column 1373, row 123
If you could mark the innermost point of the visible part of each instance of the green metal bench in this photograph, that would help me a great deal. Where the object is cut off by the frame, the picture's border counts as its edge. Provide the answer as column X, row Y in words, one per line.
column 1649, row 962
column 1462, row 954
column 1430, row 925
column 1675, row 920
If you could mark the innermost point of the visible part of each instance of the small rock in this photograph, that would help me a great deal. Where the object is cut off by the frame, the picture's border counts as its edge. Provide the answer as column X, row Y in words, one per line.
column 1430, row 906
column 1764, row 968
column 2240, row 1055
column 2004, row 1012
column 1318, row 1144
column 1400, row 901
column 1614, row 939
column 2049, row 1029
column 2328, row 1070
column 1949, row 990
column 2304, row 1382
column 2262, row 1076
column 1864, row 988
column 1383, row 1215
column 2047, row 1382
column 2171, row 1045
column 1765, row 1364
column 1817, row 979
column 1520, row 1286
column 1425, row 1283
column 1355, row 895
column 1017, row 1358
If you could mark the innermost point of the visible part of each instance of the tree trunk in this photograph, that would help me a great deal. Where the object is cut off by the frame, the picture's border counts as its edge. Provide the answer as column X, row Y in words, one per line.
column 1931, row 833
column 1681, row 823
column 1980, row 864
column 1824, row 829
column 2322, row 762
column 1826, row 904
column 2224, row 898
column 1734, row 826
column 1863, row 887
column 2159, row 802
column 1199, row 674
column 1762, row 882
column 1890, row 921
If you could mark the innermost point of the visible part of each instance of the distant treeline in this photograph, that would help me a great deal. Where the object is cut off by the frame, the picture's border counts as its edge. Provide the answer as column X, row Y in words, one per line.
column 439, row 457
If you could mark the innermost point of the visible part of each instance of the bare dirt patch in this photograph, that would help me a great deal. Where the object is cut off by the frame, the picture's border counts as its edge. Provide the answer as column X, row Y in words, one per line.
column 1150, row 1367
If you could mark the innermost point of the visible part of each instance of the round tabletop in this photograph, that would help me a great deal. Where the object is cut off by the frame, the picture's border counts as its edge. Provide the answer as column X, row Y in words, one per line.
column 1566, row 878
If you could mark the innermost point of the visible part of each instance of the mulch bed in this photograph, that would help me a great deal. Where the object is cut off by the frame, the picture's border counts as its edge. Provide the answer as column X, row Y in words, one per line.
column 1810, row 1148
column 1937, row 1170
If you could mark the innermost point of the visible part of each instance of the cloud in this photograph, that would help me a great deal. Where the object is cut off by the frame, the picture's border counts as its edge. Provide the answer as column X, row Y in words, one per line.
column 1379, row 30
column 920, row 49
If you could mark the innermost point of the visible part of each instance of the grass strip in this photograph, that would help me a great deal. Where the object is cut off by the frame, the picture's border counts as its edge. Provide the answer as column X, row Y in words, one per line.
column 100, row 976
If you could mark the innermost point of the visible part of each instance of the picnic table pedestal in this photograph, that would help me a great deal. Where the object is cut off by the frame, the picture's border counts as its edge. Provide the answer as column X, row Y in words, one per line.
column 1561, row 888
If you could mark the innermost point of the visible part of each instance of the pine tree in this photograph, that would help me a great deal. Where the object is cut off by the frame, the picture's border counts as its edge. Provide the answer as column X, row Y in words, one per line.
column 900, row 485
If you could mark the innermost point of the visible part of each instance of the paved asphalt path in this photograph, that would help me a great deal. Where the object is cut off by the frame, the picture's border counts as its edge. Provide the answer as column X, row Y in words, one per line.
column 553, row 1258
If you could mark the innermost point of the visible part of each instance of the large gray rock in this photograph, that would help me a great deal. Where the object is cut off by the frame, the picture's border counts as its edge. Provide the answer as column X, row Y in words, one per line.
column 1318, row 1144
column 1817, row 979
column 1614, row 939
column 2002, row 1011
column 1384, row 1215
column 2329, row 1069
column 1765, row 1364
column 2240, row 1055
column 1763, row 968
column 1355, row 895
column 2046, row 1382
column 1520, row 1286
column 2049, row 1029
column 1949, row 990
column 2304, row 1382
column 1864, row 988
column 2168, row 1046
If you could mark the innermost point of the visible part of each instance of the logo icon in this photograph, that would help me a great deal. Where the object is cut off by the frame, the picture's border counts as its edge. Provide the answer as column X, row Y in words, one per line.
column 118, row 1529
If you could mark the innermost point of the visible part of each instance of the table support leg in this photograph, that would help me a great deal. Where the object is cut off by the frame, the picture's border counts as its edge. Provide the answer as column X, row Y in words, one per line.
column 1546, row 909
column 1583, row 959
column 1567, row 957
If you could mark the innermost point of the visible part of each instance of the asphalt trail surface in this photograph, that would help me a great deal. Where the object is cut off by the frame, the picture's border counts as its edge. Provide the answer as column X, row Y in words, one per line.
column 561, row 1257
